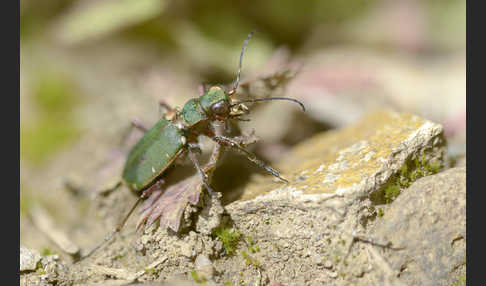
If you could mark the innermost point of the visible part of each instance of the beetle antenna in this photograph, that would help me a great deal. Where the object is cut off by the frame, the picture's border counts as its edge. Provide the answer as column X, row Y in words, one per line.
column 270, row 98
column 237, row 81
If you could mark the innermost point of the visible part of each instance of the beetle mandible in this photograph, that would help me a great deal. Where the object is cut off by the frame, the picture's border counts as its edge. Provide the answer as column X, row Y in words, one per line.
column 177, row 132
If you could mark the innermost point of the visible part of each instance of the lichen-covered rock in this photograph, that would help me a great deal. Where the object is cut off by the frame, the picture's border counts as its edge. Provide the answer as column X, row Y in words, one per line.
column 354, row 160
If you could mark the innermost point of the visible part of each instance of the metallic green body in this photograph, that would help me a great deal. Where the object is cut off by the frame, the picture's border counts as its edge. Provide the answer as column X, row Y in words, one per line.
column 214, row 95
column 192, row 113
column 153, row 154
column 164, row 142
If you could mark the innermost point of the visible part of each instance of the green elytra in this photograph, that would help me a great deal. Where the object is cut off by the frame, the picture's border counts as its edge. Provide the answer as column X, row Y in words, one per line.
column 166, row 140
column 177, row 133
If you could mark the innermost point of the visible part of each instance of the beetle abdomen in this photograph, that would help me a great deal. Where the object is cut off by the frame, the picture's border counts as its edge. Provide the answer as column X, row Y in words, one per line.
column 154, row 153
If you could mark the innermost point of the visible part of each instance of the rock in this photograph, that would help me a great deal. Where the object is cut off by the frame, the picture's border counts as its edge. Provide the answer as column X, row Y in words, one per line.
column 29, row 259
column 354, row 160
column 333, row 274
column 328, row 264
column 429, row 220
column 335, row 180
column 187, row 250
column 204, row 266
column 210, row 216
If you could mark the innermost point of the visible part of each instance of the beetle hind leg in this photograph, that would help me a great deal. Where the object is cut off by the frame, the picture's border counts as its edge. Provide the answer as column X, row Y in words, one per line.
column 137, row 124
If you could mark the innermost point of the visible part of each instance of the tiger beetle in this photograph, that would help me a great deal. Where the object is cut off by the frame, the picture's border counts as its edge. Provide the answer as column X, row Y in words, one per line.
column 176, row 133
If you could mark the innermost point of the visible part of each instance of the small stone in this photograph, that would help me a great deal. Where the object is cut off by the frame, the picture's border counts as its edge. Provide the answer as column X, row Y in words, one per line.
column 328, row 264
column 317, row 259
column 28, row 259
column 333, row 274
column 204, row 266
column 186, row 250
column 145, row 239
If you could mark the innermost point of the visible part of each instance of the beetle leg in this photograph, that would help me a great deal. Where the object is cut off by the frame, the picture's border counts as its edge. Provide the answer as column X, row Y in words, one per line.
column 150, row 190
column 145, row 194
column 250, row 156
column 111, row 234
column 203, row 175
column 166, row 111
column 164, row 107
column 137, row 124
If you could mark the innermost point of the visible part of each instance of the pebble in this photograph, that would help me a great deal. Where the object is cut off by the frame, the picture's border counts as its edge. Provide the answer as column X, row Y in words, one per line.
column 204, row 266
column 29, row 259
column 333, row 274
column 328, row 264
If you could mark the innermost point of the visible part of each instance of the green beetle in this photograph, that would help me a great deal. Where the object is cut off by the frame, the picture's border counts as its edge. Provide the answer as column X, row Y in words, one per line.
column 169, row 138
column 176, row 133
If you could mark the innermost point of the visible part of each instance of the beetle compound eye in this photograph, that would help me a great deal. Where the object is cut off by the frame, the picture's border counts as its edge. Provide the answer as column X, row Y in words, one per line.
column 220, row 108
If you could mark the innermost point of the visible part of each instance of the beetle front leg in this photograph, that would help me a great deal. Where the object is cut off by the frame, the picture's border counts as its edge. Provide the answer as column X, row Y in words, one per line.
column 164, row 107
column 250, row 156
column 165, row 110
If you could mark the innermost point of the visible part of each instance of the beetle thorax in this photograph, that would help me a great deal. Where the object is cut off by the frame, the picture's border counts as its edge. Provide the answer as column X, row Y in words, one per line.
column 213, row 105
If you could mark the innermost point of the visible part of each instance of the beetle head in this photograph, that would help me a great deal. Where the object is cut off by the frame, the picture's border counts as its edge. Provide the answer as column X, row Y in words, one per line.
column 216, row 103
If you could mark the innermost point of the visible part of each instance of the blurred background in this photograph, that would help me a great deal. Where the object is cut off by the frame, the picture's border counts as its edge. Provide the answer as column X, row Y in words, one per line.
column 89, row 67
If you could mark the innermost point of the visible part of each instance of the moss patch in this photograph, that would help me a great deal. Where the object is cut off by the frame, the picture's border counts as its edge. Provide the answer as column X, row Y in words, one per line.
column 249, row 260
column 414, row 168
column 252, row 246
column 461, row 281
column 46, row 251
column 228, row 237
column 197, row 278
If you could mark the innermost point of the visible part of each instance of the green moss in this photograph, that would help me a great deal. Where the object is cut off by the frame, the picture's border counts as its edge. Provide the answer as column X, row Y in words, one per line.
column 249, row 260
column 391, row 192
column 460, row 281
column 150, row 270
column 197, row 279
column 228, row 283
column 380, row 212
column 40, row 270
column 38, row 265
column 277, row 248
column 228, row 237
column 252, row 247
column 46, row 251
column 413, row 169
